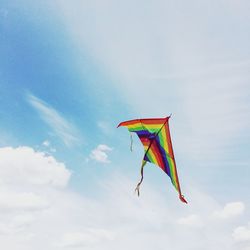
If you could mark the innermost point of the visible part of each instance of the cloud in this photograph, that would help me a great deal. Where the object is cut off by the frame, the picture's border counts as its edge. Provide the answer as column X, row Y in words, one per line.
column 87, row 238
column 192, row 220
column 43, row 216
column 230, row 210
column 46, row 143
column 24, row 165
column 22, row 220
column 16, row 224
column 21, row 201
column 241, row 233
column 61, row 127
column 100, row 153
column 27, row 177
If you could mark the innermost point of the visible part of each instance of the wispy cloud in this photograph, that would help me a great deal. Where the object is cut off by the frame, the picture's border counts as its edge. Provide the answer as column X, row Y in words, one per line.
column 65, row 130
column 105, row 127
column 194, row 76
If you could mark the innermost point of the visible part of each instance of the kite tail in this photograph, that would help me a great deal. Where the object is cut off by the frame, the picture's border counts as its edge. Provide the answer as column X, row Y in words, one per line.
column 137, row 189
column 131, row 142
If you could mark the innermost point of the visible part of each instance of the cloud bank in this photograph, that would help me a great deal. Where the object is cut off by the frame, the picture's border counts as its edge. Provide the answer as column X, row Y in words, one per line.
column 38, row 211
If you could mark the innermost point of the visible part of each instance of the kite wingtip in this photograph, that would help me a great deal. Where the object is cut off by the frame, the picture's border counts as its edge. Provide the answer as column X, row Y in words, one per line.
column 168, row 117
column 182, row 199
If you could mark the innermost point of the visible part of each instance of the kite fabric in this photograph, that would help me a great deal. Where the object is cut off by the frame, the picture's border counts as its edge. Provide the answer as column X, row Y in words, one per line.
column 155, row 136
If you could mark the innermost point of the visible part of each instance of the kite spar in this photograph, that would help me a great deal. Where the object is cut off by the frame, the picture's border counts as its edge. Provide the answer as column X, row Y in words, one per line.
column 155, row 137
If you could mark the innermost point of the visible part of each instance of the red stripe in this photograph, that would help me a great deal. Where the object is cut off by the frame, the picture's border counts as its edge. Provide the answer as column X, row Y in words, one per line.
column 158, row 156
column 153, row 121
column 145, row 141
column 171, row 153
column 144, row 120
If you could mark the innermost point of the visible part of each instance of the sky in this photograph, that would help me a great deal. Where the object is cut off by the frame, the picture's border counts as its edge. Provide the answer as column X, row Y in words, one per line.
column 71, row 71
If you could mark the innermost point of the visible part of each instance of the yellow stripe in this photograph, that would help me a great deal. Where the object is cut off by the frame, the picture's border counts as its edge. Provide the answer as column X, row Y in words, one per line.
column 173, row 172
column 152, row 156
column 164, row 139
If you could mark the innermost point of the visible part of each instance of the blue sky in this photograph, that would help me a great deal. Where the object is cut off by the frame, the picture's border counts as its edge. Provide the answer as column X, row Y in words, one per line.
column 71, row 71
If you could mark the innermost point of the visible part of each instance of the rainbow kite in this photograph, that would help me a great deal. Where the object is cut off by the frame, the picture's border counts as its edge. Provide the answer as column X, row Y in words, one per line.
column 155, row 137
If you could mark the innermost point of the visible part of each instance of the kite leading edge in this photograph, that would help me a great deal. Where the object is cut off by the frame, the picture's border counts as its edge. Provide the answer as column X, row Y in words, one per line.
column 155, row 137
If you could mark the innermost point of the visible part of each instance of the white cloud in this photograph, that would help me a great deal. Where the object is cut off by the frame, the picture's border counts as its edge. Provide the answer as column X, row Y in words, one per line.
column 24, row 165
column 28, row 180
column 100, row 153
column 192, row 220
column 241, row 233
column 61, row 127
column 87, row 238
column 46, row 143
column 45, row 217
column 21, row 201
column 16, row 223
column 230, row 210
column 22, row 220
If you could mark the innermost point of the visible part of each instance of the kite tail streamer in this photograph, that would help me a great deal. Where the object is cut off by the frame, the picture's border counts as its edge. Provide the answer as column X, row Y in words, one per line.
column 137, row 189
column 131, row 142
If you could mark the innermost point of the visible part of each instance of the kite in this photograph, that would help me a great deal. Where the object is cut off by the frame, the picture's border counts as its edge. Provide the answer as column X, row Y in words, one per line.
column 155, row 137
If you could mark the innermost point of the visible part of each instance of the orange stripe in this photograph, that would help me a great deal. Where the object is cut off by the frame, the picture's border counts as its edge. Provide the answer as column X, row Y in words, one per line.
column 129, row 123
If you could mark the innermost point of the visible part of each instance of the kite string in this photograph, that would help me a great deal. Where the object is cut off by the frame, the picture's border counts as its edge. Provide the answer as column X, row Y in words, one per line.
column 137, row 189
column 131, row 142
